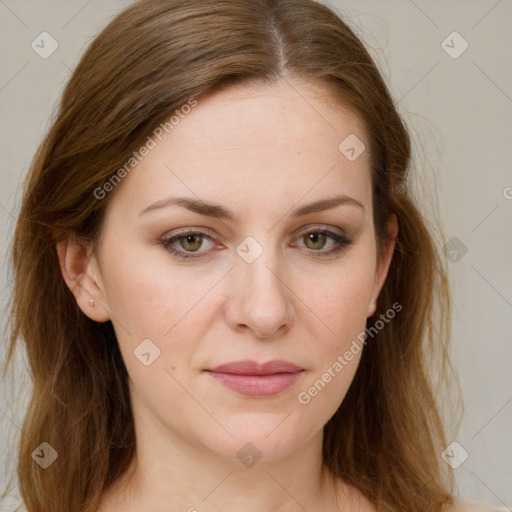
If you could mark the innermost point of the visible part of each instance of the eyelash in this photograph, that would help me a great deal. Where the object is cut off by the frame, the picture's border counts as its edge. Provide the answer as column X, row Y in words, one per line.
column 341, row 240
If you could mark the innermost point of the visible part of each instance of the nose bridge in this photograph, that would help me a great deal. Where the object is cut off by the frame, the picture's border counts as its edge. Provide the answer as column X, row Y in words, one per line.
column 262, row 302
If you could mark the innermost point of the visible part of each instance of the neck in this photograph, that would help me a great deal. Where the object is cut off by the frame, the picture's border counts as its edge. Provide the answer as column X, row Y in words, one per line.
column 169, row 474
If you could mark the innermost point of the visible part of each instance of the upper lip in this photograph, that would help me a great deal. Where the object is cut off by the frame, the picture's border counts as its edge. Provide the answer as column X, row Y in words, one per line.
column 248, row 367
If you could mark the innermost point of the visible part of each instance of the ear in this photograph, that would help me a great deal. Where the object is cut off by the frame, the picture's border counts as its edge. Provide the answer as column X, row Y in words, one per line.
column 383, row 266
column 80, row 272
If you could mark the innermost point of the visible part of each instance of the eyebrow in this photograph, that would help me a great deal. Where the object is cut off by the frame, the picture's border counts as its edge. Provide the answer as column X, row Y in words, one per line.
column 220, row 212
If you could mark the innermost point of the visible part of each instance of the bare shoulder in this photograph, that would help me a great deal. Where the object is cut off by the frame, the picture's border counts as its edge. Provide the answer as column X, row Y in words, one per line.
column 467, row 505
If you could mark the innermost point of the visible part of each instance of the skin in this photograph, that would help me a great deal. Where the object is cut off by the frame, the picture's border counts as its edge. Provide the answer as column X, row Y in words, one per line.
column 260, row 151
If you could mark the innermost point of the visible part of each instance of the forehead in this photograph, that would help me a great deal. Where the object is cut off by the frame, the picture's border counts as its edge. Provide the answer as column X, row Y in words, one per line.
column 277, row 113
column 278, row 142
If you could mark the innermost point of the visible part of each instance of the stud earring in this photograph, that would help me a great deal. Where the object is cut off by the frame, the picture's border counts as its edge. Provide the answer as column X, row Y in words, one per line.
column 91, row 302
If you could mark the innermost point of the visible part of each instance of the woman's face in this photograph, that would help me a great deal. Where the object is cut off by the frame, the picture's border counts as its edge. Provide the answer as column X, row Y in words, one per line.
column 253, row 172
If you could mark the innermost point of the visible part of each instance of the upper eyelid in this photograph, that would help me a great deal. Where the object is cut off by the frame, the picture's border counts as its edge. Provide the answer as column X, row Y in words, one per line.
column 322, row 228
column 209, row 232
column 205, row 233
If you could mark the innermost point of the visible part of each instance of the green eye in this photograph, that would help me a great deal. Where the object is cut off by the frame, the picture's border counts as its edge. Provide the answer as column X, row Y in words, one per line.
column 192, row 241
column 318, row 240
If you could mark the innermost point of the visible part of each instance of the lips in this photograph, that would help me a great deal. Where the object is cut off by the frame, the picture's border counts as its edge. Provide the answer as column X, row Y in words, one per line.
column 257, row 380
column 248, row 367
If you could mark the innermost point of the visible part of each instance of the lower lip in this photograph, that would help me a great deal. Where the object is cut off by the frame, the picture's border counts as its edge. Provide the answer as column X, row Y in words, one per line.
column 257, row 386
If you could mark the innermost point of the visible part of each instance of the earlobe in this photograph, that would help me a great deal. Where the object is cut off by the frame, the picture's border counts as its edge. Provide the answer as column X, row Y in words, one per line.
column 383, row 267
column 82, row 278
column 371, row 308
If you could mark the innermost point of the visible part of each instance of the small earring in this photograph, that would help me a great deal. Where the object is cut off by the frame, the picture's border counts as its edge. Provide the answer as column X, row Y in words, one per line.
column 91, row 302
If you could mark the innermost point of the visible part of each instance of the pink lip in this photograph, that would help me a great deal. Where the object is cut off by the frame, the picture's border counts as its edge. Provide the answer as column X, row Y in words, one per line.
column 257, row 380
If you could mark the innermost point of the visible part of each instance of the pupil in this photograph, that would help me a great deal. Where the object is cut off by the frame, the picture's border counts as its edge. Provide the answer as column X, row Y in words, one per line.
column 314, row 237
column 190, row 240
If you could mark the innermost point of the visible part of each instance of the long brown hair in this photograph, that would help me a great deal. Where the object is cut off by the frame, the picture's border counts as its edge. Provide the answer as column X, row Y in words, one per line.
column 387, row 435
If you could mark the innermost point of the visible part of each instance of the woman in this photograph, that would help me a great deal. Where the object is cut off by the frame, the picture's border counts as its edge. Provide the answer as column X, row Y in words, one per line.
column 224, row 287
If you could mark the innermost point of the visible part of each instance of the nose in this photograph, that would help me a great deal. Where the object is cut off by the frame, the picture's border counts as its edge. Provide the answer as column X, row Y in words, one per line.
column 261, row 300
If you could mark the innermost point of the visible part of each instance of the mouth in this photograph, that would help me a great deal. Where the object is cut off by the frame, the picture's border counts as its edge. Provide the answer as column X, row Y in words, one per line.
column 257, row 380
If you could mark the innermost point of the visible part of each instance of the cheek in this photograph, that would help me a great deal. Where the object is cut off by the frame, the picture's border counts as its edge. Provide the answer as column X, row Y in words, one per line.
column 337, row 353
column 342, row 307
column 343, row 302
column 148, row 295
column 153, row 300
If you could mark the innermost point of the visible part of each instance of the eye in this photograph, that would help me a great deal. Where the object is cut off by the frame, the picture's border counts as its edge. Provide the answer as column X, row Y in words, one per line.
column 316, row 239
column 185, row 244
column 190, row 241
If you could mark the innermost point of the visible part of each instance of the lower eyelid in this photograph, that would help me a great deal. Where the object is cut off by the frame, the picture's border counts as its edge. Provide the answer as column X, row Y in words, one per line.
column 168, row 242
column 340, row 242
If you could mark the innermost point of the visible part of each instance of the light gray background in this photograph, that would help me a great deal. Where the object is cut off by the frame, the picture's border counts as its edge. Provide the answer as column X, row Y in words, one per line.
column 459, row 111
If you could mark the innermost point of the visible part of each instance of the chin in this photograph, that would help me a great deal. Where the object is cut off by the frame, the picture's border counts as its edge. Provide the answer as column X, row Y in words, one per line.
column 264, row 438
